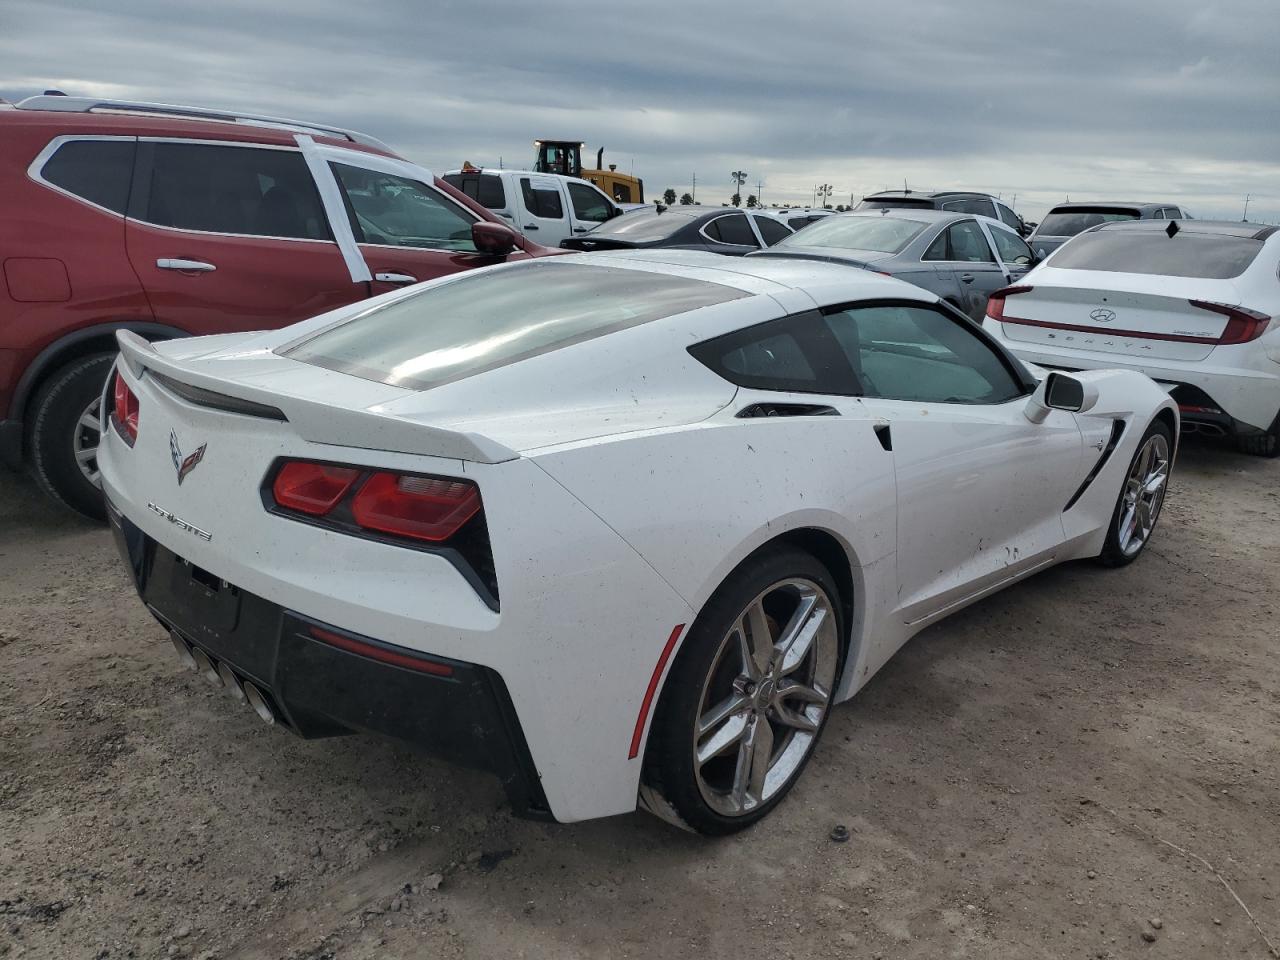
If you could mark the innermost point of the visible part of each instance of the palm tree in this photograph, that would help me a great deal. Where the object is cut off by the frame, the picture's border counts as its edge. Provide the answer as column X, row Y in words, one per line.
column 739, row 178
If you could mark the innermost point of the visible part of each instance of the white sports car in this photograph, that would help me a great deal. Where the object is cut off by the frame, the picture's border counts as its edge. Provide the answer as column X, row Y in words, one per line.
column 621, row 529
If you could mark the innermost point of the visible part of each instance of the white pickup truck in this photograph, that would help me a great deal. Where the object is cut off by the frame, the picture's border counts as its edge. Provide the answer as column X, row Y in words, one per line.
column 545, row 207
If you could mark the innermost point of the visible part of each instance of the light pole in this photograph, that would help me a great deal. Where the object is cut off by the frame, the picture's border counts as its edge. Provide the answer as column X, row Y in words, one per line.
column 822, row 194
column 739, row 178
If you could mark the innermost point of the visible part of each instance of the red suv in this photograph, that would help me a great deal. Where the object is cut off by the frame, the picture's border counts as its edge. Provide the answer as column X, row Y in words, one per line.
column 178, row 221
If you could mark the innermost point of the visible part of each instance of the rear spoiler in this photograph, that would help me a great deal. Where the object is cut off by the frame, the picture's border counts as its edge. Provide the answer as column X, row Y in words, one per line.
column 317, row 421
column 801, row 254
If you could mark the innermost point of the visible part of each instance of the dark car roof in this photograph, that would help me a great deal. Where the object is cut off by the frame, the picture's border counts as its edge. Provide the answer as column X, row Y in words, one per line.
column 1222, row 228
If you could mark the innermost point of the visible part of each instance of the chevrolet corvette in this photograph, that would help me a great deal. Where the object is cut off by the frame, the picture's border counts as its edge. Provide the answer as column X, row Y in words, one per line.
column 620, row 528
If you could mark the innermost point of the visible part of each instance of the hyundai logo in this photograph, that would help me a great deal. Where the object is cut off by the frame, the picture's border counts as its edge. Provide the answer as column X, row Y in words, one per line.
column 1102, row 315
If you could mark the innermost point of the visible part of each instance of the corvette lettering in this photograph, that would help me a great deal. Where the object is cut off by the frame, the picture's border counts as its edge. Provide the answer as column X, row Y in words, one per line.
column 178, row 522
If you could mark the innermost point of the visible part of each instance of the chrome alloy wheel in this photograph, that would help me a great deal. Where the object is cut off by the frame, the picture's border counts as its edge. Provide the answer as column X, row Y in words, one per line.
column 84, row 443
column 1143, row 495
column 765, row 696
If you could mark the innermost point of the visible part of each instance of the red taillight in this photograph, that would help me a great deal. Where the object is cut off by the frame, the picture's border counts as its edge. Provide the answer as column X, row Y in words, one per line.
column 312, row 488
column 424, row 508
column 1243, row 324
column 124, row 410
column 995, row 303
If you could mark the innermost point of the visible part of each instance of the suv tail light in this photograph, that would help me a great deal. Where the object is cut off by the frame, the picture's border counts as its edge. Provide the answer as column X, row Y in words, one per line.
column 124, row 410
column 1243, row 324
column 995, row 303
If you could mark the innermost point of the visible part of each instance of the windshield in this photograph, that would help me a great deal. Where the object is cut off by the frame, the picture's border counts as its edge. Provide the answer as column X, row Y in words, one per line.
column 477, row 322
column 640, row 226
column 882, row 234
column 1186, row 254
column 1067, row 223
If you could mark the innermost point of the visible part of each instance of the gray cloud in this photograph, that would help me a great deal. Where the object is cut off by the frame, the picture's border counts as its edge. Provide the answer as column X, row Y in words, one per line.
column 1148, row 99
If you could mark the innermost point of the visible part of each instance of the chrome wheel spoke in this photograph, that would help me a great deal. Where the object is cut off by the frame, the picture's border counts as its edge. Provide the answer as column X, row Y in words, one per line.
column 791, row 690
column 720, row 713
column 1155, row 483
column 89, row 420
column 729, row 733
column 85, row 454
column 797, row 637
column 761, row 637
column 796, row 719
column 761, row 739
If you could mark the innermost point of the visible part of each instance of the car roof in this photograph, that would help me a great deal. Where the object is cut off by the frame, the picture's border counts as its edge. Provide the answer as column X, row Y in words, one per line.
column 927, row 195
column 84, row 114
column 1118, row 204
column 1241, row 229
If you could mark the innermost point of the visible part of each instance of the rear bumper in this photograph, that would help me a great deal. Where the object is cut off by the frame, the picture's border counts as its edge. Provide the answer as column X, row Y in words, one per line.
column 320, row 680
column 1225, row 399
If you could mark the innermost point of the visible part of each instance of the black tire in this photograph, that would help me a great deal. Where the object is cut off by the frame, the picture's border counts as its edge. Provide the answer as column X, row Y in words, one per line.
column 669, row 758
column 1261, row 444
column 53, row 426
column 1113, row 554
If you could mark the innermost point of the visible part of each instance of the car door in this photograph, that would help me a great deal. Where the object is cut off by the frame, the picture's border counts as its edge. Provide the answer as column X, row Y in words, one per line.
column 588, row 206
column 407, row 230
column 981, row 489
column 1012, row 251
column 972, row 258
column 730, row 234
column 229, row 237
column 542, row 209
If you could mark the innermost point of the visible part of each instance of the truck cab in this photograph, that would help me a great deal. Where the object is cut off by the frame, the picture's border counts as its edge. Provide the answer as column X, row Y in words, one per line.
column 545, row 207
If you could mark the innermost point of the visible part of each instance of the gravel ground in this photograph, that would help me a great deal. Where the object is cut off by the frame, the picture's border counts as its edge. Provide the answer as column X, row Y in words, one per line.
column 1016, row 783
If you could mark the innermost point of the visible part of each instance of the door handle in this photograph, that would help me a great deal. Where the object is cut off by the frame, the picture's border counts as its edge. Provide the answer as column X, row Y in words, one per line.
column 579, row 229
column 532, row 226
column 191, row 266
column 967, row 278
column 395, row 278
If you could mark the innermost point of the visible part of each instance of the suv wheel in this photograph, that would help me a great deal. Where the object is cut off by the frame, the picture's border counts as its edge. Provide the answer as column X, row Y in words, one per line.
column 65, row 431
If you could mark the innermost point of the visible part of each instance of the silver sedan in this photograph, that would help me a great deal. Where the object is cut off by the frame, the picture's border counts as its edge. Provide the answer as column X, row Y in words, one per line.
column 960, row 257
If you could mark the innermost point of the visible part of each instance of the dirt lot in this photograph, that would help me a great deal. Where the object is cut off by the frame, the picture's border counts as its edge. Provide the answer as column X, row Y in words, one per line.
column 1005, row 781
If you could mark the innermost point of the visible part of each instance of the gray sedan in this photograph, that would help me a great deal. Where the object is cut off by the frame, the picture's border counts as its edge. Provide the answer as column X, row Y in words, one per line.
column 961, row 258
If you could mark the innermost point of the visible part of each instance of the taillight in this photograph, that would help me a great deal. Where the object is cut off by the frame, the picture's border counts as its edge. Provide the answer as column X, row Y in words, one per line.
column 425, row 508
column 995, row 303
column 124, row 410
column 312, row 488
column 1243, row 324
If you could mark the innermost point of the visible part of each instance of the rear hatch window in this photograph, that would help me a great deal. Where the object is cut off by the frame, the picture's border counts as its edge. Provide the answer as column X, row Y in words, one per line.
column 1186, row 254
column 896, row 203
column 479, row 322
column 1067, row 223
column 484, row 188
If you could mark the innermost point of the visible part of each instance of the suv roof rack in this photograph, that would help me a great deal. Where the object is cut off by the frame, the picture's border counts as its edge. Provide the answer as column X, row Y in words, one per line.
column 91, row 104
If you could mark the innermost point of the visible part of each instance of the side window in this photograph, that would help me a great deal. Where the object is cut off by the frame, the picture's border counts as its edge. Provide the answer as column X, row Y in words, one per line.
column 588, row 203
column 731, row 228
column 1157, row 214
column 241, row 190
column 968, row 245
column 977, row 205
column 1009, row 217
column 395, row 211
column 771, row 230
column 902, row 352
column 797, row 222
column 1011, row 247
column 622, row 192
column 541, row 203
column 484, row 189
column 793, row 354
column 938, row 250
column 95, row 170
column 1172, row 213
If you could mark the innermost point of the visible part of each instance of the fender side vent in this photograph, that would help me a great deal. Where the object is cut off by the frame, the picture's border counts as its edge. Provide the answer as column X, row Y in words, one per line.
column 1117, row 431
column 884, row 435
column 787, row 410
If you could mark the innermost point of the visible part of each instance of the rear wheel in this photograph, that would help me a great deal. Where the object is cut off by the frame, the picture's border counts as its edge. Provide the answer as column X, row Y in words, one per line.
column 1261, row 444
column 65, row 432
column 1141, row 498
column 749, row 694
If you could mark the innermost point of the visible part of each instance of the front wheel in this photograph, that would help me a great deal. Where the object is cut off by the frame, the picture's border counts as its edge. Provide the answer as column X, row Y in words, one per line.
column 1141, row 497
column 749, row 694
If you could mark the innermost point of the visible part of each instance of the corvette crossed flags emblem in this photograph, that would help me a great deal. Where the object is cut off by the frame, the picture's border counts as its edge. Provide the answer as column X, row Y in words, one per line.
column 184, row 465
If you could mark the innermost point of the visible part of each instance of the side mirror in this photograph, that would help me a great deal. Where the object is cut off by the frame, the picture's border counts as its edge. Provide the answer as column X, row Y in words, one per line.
column 1060, row 391
column 614, row 212
column 493, row 239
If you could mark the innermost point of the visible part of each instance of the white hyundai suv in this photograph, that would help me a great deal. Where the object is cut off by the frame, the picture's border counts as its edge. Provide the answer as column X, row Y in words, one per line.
column 1193, row 304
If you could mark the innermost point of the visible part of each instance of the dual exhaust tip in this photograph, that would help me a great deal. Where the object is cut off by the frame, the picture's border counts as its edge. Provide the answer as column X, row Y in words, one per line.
column 221, row 674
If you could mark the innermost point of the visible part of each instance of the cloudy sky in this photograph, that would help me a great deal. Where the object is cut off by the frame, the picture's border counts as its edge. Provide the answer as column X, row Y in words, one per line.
column 1094, row 99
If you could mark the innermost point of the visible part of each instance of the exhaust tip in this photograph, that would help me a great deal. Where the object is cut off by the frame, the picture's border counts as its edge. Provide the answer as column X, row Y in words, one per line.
column 183, row 651
column 259, row 704
column 230, row 681
column 206, row 667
